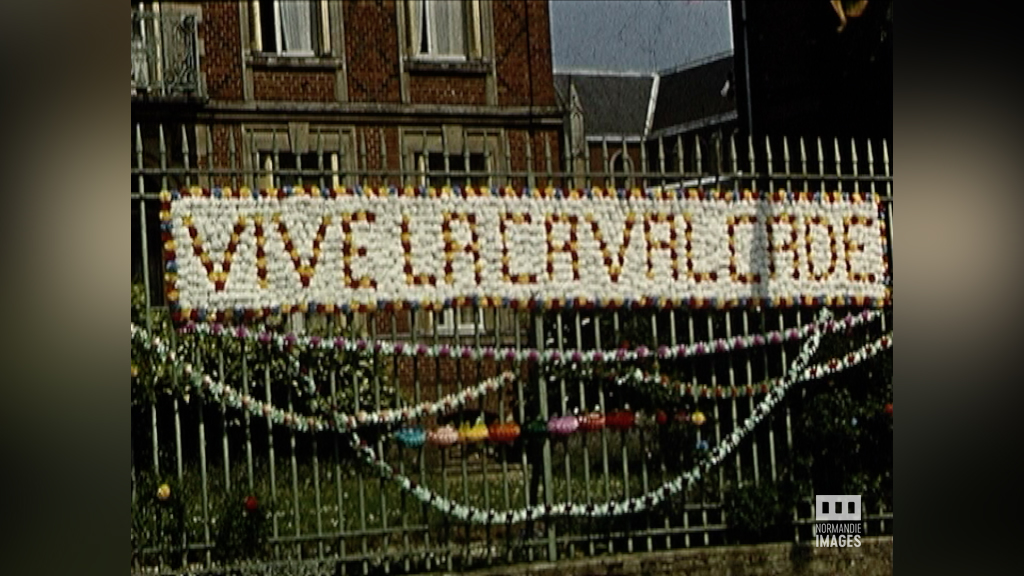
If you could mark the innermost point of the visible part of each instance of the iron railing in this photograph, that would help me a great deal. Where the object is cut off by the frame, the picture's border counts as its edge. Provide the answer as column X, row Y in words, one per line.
column 165, row 54
column 328, row 513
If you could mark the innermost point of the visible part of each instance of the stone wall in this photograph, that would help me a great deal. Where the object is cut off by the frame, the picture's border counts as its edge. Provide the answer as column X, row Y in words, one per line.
column 873, row 558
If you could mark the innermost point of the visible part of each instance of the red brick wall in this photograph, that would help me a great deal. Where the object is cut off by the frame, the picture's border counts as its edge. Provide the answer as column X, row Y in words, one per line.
column 220, row 153
column 293, row 85
column 221, row 61
column 371, row 47
column 448, row 90
column 523, row 52
column 518, row 157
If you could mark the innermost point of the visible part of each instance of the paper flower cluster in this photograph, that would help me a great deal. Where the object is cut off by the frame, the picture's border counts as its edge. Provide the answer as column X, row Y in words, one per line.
column 247, row 252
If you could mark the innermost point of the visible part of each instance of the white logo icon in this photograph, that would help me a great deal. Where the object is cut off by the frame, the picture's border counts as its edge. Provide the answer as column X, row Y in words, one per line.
column 837, row 509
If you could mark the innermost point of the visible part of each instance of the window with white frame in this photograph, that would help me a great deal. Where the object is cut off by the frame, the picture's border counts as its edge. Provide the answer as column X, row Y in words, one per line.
column 291, row 27
column 444, row 29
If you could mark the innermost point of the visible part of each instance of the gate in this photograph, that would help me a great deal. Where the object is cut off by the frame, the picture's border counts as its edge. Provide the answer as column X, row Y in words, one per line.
column 393, row 437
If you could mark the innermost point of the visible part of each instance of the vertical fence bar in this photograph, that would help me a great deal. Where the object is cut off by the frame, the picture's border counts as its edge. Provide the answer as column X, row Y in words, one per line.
column 382, row 485
column 586, row 437
column 692, row 333
column 360, row 481
column 223, row 418
column 200, row 406
column 185, row 158
column 547, row 161
column 698, row 157
column 338, row 484
column 661, row 161
column 275, row 174
column 717, row 416
column 608, row 181
column 445, row 454
column 673, row 342
column 364, row 164
column 395, row 371
column 232, row 155
column 617, row 328
column 421, row 454
column 383, row 182
column 643, row 166
column 681, row 153
column 531, row 181
column 542, row 392
column 296, row 516
column 272, row 463
column 644, row 447
column 502, row 418
column 521, row 399
column 246, row 419
column 605, row 464
column 565, row 412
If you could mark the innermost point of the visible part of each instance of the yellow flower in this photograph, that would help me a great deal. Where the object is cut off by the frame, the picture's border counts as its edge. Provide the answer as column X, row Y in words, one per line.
column 135, row 371
column 163, row 492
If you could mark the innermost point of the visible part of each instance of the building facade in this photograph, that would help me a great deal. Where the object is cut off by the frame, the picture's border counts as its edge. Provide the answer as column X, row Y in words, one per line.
column 270, row 94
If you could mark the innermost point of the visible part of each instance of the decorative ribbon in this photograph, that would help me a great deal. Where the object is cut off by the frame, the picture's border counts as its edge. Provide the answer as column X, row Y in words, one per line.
column 557, row 357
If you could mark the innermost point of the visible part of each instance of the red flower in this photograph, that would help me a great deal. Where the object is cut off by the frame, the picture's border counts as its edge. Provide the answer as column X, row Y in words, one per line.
column 252, row 504
column 662, row 418
column 888, row 408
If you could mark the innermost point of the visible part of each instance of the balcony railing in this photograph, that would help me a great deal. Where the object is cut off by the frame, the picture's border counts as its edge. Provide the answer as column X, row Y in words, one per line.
column 165, row 56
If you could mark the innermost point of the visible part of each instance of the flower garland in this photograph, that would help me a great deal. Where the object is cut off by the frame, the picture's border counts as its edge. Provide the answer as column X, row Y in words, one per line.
column 345, row 422
column 797, row 373
column 253, row 253
column 557, row 357
column 340, row 422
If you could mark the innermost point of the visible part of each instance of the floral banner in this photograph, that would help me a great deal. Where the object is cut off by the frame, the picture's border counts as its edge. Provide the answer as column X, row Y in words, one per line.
column 307, row 249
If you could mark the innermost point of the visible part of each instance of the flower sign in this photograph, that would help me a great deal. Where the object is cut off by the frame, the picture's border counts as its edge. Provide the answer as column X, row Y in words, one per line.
column 299, row 250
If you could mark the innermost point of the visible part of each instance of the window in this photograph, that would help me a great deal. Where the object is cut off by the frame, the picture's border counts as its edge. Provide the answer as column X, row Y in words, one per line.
column 298, row 154
column 290, row 27
column 444, row 28
column 461, row 321
column 290, row 169
column 433, row 173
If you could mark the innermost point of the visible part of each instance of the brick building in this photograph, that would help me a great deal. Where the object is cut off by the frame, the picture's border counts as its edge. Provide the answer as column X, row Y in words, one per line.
column 266, row 93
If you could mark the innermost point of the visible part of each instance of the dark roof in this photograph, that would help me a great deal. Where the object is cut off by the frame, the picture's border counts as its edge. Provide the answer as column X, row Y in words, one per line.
column 694, row 94
column 612, row 104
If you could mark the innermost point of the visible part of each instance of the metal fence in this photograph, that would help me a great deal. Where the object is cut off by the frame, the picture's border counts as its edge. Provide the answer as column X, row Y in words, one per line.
column 327, row 513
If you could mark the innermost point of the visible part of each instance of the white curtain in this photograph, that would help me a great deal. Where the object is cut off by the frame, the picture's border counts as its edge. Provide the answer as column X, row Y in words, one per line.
column 449, row 28
column 296, row 26
column 445, row 26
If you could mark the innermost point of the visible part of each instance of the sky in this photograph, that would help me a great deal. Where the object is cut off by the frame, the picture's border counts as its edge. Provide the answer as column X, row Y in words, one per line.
column 636, row 35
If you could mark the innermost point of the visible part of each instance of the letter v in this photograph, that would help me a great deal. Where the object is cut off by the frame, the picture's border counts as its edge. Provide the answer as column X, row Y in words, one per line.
column 306, row 271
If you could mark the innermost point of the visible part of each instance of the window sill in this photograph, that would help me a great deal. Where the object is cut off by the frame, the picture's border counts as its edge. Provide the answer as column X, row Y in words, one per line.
column 294, row 62
column 439, row 66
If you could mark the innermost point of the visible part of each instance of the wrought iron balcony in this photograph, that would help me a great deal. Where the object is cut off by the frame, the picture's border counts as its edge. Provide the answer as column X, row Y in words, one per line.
column 165, row 55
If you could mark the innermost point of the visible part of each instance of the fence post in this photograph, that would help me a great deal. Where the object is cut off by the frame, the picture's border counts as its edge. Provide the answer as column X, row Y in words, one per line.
column 542, row 393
